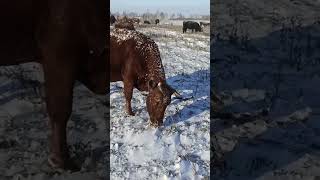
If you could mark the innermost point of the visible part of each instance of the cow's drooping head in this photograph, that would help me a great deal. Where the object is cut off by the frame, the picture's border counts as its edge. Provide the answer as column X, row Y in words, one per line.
column 95, row 63
column 159, row 97
column 199, row 29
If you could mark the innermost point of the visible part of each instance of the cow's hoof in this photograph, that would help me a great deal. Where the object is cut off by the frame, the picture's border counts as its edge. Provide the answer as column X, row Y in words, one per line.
column 55, row 162
column 59, row 164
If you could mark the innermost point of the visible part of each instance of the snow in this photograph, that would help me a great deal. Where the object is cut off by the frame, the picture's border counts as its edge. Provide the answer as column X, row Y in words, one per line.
column 180, row 148
column 24, row 128
column 249, row 143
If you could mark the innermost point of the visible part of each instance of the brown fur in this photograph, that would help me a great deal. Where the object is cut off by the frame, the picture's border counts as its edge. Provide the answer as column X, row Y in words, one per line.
column 68, row 38
column 124, row 25
column 136, row 20
column 135, row 60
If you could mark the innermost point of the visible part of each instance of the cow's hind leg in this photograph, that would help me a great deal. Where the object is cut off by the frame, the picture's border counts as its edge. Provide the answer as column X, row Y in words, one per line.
column 59, row 88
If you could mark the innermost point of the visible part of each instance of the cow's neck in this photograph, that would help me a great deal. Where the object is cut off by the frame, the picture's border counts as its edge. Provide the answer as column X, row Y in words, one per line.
column 155, row 70
column 152, row 72
column 153, row 61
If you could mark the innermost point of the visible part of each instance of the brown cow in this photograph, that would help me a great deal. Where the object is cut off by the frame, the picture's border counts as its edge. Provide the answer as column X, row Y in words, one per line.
column 67, row 37
column 124, row 25
column 125, row 19
column 136, row 20
column 135, row 60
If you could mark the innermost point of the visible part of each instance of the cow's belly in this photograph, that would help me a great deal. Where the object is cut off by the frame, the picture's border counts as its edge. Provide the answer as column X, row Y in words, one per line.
column 115, row 74
column 116, row 63
column 18, row 52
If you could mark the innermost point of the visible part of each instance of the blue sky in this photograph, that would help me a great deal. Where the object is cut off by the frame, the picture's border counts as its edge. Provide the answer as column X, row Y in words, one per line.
column 187, row 7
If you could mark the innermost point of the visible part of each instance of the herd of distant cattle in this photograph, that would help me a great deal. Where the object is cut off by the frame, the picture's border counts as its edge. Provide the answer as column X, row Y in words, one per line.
column 128, row 23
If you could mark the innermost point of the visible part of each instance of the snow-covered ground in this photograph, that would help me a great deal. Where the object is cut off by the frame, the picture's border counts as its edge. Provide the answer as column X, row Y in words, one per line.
column 275, row 70
column 180, row 148
column 24, row 129
column 180, row 22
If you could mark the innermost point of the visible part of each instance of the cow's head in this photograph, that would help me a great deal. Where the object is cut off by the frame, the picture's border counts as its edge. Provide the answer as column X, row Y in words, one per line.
column 159, row 97
column 199, row 29
column 94, row 19
column 94, row 72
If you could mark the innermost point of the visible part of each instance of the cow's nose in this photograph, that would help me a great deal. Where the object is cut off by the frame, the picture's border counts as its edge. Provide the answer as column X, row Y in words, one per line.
column 159, row 123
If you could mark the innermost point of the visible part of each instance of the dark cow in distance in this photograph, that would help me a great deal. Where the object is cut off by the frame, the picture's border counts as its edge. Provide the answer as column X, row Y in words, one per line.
column 157, row 21
column 194, row 26
column 112, row 19
column 146, row 22
column 68, row 38
column 135, row 60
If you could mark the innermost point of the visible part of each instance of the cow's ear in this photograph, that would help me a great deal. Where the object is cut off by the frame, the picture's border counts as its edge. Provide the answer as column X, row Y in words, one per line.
column 152, row 84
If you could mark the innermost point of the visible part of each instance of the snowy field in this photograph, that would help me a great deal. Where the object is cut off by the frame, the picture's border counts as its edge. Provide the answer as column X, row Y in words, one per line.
column 267, row 126
column 172, row 26
column 24, row 128
column 180, row 148
column 180, row 22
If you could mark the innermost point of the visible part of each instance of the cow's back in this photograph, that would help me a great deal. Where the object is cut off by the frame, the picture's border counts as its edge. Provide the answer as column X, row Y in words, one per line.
column 17, row 33
column 28, row 25
column 136, row 56
column 120, row 56
column 124, row 54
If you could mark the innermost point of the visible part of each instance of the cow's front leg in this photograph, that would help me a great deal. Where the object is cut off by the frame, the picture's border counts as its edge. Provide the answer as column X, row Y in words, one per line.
column 59, row 87
column 58, row 144
column 128, row 91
